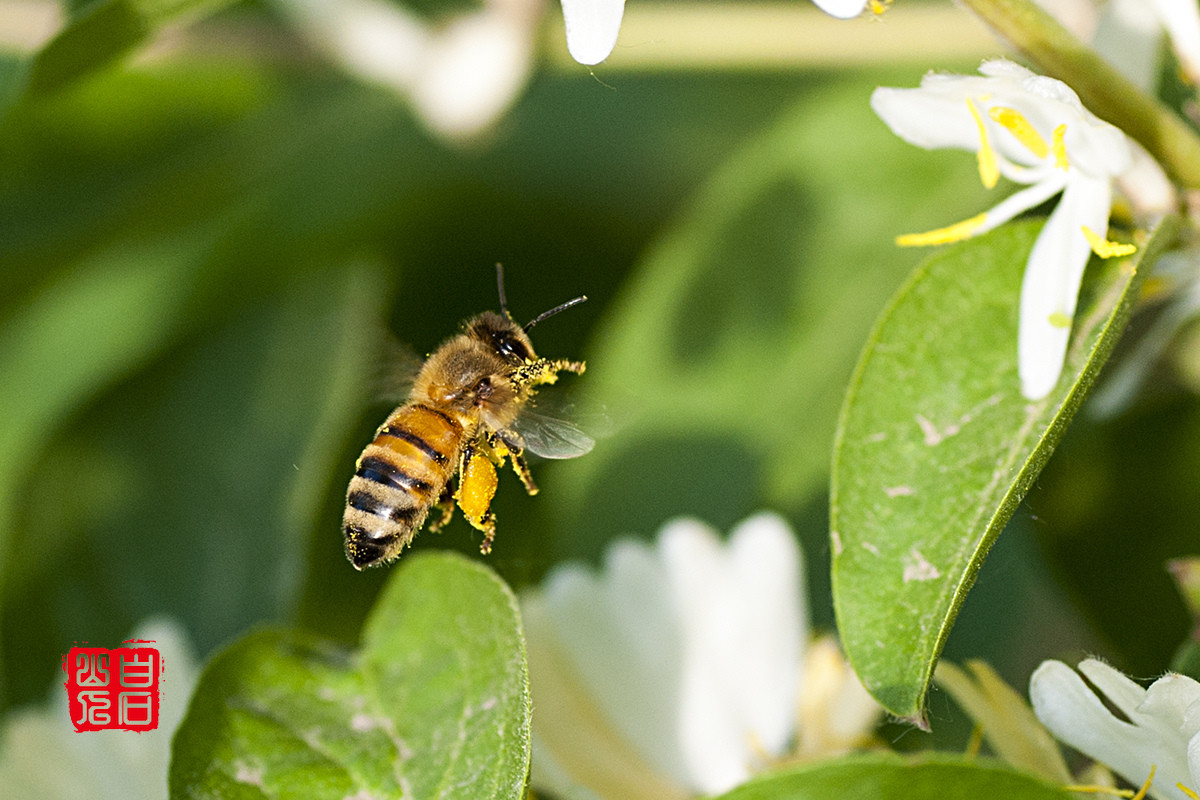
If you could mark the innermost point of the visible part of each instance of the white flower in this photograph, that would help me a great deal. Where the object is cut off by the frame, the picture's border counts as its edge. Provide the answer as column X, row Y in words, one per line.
column 1032, row 130
column 1160, row 730
column 677, row 670
column 592, row 25
column 43, row 758
column 459, row 75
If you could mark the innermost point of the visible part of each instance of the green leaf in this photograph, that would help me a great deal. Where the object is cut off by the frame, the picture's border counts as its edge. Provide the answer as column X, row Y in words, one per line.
column 937, row 446
column 435, row 702
column 884, row 776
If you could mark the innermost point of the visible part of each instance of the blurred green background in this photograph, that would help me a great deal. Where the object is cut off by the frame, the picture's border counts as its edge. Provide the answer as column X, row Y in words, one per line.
column 206, row 258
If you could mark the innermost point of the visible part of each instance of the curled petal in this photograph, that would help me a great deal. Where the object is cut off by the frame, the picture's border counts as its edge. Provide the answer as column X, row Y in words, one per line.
column 592, row 28
column 1076, row 715
column 1051, row 286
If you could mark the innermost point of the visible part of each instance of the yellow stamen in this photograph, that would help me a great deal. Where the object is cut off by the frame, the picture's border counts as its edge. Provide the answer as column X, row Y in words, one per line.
column 1187, row 791
column 951, row 233
column 1104, row 248
column 1016, row 124
column 1141, row 793
column 1060, row 147
column 879, row 6
column 1059, row 320
column 989, row 173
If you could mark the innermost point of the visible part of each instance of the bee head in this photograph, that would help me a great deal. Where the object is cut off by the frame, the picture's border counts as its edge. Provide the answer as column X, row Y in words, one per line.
column 503, row 336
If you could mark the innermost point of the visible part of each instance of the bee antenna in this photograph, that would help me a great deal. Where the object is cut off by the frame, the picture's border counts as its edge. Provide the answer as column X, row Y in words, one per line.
column 500, row 287
column 555, row 310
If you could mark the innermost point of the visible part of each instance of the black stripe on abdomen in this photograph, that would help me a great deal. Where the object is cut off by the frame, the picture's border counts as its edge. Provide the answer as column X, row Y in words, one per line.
column 417, row 442
column 368, row 503
column 379, row 471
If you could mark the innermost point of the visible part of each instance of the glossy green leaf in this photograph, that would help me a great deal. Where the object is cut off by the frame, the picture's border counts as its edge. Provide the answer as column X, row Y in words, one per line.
column 436, row 702
column 885, row 776
column 936, row 446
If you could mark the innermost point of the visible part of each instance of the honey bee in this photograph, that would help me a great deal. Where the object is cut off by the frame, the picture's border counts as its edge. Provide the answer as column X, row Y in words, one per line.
column 467, row 412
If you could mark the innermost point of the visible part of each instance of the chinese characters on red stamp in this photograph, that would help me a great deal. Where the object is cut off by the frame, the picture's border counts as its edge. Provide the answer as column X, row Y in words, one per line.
column 113, row 689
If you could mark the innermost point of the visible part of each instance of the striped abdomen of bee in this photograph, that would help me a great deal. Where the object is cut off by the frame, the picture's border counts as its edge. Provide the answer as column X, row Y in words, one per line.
column 400, row 476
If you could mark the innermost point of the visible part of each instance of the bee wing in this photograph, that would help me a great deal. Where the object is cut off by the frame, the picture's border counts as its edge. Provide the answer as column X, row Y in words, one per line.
column 551, row 437
column 394, row 372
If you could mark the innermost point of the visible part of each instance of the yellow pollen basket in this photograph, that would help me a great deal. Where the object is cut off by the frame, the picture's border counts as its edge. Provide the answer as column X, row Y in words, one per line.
column 1015, row 123
column 951, row 233
column 989, row 173
column 1104, row 248
column 476, row 490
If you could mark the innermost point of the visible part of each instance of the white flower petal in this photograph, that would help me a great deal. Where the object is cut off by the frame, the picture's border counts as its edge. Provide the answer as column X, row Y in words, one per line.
column 473, row 71
column 623, row 625
column 1075, row 715
column 709, row 732
column 1165, row 709
column 1193, row 759
column 1003, row 68
column 1050, row 289
column 1023, row 200
column 842, row 9
column 592, row 28
column 460, row 76
column 769, row 575
column 741, row 607
column 1181, row 18
column 579, row 753
column 378, row 41
column 926, row 119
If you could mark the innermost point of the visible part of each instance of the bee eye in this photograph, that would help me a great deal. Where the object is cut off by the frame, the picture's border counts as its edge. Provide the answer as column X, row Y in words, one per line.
column 509, row 347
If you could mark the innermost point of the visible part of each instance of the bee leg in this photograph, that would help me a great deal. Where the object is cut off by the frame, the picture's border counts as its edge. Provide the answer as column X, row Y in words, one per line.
column 447, row 510
column 488, row 525
column 445, row 503
column 544, row 370
column 506, row 445
column 522, row 470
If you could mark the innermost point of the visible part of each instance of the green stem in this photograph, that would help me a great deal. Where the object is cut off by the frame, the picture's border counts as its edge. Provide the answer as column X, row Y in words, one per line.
column 1107, row 93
